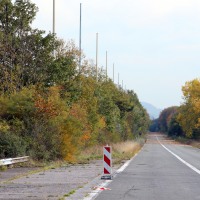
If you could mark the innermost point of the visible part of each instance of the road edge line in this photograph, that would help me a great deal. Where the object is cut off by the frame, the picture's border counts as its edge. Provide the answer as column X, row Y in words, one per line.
column 96, row 192
column 179, row 158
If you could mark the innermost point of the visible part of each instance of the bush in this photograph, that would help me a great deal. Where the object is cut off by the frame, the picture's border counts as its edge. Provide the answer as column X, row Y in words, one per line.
column 12, row 145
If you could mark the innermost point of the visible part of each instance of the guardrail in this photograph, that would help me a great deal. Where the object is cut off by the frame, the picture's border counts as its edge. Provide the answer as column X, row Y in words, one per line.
column 11, row 161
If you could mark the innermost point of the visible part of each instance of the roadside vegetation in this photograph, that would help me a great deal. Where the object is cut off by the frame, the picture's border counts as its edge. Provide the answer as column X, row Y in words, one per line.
column 120, row 151
column 183, row 122
column 50, row 108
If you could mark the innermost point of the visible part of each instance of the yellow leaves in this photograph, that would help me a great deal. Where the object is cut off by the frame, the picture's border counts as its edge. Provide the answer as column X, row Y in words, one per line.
column 191, row 89
column 185, row 123
column 4, row 127
column 79, row 112
column 189, row 112
column 68, row 149
column 102, row 123
column 81, row 115
column 195, row 102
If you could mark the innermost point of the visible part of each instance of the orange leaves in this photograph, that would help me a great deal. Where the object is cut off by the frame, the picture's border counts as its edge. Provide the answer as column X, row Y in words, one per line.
column 50, row 104
column 79, row 112
column 68, row 148
column 86, row 136
column 45, row 107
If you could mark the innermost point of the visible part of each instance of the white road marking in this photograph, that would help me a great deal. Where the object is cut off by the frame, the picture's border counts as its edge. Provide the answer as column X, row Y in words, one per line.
column 180, row 159
column 94, row 194
column 96, row 191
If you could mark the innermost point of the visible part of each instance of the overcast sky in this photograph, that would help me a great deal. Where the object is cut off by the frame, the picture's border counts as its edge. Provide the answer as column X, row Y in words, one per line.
column 155, row 44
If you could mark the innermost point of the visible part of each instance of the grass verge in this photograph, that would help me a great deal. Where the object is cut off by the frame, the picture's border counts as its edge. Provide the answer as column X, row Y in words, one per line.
column 120, row 151
column 191, row 142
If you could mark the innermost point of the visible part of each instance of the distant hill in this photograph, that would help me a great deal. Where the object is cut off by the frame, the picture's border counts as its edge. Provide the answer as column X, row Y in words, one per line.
column 152, row 110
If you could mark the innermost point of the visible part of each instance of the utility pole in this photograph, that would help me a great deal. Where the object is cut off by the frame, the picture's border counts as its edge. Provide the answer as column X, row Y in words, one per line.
column 54, row 13
column 113, row 73
column 106, row 65
column 80, row 38
column 118, row 80
column 53, row 16
column 97, row 56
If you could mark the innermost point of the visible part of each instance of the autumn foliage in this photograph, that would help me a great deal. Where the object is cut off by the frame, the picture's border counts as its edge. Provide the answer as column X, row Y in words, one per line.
column 189, row 112
column 184, row 120
column 49, row 107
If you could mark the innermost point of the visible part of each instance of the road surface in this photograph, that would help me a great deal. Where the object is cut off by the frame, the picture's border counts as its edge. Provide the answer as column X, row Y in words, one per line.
column 163, row 170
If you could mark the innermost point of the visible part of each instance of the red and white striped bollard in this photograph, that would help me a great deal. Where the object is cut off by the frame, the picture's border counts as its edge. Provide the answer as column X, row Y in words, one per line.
column 107, row 163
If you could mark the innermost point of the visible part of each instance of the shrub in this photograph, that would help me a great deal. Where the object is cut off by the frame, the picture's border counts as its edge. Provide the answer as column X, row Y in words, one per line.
column 12, row 145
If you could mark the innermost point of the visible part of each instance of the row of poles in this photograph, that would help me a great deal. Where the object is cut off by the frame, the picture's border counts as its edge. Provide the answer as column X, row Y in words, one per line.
column 80, row 42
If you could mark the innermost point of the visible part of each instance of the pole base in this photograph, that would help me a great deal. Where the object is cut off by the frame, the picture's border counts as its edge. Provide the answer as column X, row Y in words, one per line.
column 106, row 177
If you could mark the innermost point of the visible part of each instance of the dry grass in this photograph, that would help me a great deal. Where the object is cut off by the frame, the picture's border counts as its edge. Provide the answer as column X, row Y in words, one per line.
column 126, row 150
column 120, row 151
column 196, row 144
column 191, row 142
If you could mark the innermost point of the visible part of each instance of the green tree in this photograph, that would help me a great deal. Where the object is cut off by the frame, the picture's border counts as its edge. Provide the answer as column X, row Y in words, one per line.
column 165, row 117
column 25, row 53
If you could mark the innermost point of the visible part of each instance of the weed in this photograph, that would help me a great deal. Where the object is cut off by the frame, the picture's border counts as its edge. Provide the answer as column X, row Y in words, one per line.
column 67, row 195
column 3, row 168
column 70, row 193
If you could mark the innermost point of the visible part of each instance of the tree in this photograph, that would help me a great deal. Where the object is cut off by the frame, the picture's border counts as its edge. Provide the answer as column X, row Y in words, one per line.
column 189, row 112
column 49, row 108
column 154, row 127
column 25, row 53
column 174, row 127
column 165, row 117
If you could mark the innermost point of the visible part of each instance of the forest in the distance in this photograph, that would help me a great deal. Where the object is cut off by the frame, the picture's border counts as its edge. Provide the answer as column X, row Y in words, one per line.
column 182, row 121
column 50, row 108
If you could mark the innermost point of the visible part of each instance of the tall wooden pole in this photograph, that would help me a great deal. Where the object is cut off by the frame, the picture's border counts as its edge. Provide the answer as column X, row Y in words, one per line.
column 113, row 73
column 80, row 30
column 106, row 65
column 97, row 56
column 118, row 79
column 54, row 13
column 53, row 16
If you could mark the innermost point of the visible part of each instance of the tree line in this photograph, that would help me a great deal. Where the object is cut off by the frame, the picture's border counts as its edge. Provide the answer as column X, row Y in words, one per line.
column 49, row 107
column 185, row 119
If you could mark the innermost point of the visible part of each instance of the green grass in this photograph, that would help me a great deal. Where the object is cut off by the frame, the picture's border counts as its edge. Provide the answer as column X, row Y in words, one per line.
column 3, row 168
column 67, row 195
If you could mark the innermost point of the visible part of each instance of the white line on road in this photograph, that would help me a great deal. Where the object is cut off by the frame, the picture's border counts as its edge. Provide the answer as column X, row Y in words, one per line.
column 95, row 192
column 179, row 158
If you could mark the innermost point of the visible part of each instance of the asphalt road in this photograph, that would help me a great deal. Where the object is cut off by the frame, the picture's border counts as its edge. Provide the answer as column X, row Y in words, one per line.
column 163, row 170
